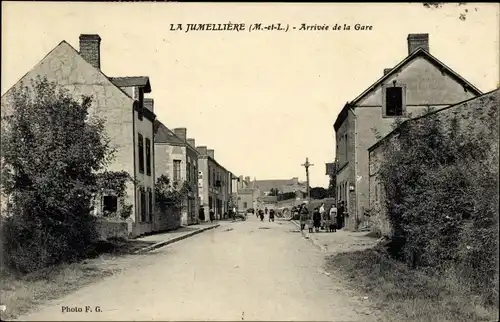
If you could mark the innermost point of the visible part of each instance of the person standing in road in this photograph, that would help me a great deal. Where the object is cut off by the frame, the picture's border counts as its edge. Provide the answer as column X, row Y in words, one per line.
column 271, row 215
column 261, row 214
column 340, row 214
column 212, row 215
column 322, row 214
column 333, row 219
column 316, row 219
column 303, row 216
column 201, row 213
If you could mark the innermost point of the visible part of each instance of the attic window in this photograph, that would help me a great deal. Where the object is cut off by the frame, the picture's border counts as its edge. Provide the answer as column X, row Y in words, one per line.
column 394, row 101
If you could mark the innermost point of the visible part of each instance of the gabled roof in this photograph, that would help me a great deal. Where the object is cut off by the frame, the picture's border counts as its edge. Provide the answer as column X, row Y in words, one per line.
column 129, row 81
column 164, row 135
column 420, row 52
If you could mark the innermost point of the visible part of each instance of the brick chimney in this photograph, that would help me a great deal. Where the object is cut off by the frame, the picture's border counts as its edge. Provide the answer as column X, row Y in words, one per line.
column 149, row 103
column 191, row 142
column 387, row 70
column 90, row 49
column 181, row 132
column 416, row 41
column 202, row 150
column 211, row 153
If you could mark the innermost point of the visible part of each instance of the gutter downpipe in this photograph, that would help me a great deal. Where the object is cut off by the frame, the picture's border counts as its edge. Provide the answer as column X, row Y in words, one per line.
column 355, row 170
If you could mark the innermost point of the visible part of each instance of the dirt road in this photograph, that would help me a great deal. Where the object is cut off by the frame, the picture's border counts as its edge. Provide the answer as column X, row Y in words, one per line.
column 243, row 271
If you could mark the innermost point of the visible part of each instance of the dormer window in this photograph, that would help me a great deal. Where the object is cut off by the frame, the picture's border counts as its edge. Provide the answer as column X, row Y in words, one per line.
column 394, row 100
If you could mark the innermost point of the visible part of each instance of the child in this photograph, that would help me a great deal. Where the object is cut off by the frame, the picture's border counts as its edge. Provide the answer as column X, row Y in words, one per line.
column 310, row 225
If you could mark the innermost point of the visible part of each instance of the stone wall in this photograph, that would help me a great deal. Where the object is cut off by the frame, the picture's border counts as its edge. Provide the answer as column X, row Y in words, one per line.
column 169, row 219
column 111, row 228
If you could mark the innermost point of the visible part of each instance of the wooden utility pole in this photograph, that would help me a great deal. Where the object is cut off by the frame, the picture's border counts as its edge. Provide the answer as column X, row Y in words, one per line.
column 307, row 165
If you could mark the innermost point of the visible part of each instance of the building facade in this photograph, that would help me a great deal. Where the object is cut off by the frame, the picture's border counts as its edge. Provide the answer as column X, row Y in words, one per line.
column 177, row 158
column 214, row 184
column 419, row 81
column 128, row 123
column 469, row 114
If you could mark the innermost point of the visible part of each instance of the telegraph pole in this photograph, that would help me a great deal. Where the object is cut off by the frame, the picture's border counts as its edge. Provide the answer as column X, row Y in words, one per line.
column 307, row 165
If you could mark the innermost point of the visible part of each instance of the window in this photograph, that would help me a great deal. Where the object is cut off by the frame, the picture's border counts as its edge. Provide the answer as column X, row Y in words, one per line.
column 213, row 177
column 148, row 157
column 143, row 204
column 177, row 170
column 110, row 204
column 394, row 101
column 188, row 172
column 150, row 204
column 245, row 205
column 141, row 153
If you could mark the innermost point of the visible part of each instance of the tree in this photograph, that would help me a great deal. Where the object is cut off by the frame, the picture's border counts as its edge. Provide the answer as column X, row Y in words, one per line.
column 53, row 157
column 274, row 192
column 170, row 195
column 318, row 193
column 440, row 181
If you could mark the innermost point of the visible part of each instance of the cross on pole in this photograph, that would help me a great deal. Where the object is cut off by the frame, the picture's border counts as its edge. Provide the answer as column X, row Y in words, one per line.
column 307, row 165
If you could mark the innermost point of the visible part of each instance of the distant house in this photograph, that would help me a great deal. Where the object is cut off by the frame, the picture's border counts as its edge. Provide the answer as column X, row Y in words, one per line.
column 282, row 185
column 128, row 122
column 417, row 82
column 177, row 158
column 214, row 183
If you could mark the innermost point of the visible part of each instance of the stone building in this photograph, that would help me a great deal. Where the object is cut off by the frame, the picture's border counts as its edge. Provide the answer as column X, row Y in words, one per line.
column 120, row 102
column 282, row 185
column 417, row 82
column 177, row 158
column 214, row 183
column 469, row 112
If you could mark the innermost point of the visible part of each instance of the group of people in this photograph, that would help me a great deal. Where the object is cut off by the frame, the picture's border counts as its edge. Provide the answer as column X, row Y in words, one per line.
column 211, row 213
column 260, row 214
column 330, row 220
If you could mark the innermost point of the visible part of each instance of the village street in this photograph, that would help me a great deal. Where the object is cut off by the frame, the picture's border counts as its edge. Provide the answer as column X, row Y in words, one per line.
column 247, row 270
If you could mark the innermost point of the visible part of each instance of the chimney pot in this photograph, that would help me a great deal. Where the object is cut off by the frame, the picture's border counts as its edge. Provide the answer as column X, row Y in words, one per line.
column 181, row 132
column 211, row 153
column 191, row 142
column 90, row 49
column 149, row 104
column 202, row 150
column 416, row 41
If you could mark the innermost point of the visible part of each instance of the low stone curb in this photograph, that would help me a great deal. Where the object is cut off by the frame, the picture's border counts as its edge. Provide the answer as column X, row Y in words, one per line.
column 311, row 240
column 173, row 240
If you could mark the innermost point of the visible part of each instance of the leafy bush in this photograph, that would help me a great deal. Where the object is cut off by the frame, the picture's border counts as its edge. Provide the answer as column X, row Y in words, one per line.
column 170, row 194
column 441, row 194
column 52, row 154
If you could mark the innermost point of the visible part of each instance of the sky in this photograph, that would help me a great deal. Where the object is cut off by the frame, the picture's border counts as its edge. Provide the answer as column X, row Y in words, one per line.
column 264, row 101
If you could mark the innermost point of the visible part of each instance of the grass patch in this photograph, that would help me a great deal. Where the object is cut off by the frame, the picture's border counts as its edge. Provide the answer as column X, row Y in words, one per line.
column 404, row 294
column 22, row 293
